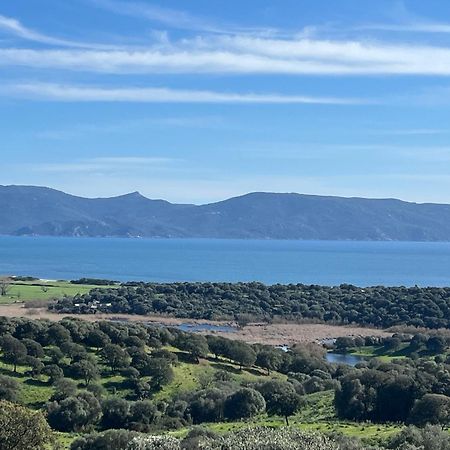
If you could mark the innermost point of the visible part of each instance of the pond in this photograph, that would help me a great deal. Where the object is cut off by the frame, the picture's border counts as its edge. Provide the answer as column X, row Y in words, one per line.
column 344, row 358
column 199, row 327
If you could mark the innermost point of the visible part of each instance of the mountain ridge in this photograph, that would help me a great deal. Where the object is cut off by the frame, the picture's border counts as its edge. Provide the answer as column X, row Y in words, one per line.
column 43, row 211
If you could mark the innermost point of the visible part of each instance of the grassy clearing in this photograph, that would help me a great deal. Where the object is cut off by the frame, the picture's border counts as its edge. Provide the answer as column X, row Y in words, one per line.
column 43, row 290
column 316, row 415
column 380, row 352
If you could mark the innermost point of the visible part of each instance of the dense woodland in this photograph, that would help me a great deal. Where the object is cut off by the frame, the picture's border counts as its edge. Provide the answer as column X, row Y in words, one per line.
column 73, row 358
column 376, row 306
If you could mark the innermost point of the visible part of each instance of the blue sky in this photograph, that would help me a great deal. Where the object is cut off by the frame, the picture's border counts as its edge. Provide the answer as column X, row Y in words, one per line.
column 203, row 100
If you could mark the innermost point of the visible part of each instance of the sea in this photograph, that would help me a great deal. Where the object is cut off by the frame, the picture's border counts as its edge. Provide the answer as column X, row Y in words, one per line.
column 268, row 261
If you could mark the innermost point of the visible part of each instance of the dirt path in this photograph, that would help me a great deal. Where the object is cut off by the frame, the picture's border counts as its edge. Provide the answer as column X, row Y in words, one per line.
column 271, row 334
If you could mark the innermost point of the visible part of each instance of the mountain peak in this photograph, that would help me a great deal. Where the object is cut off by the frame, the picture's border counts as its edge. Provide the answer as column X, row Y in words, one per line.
column 27, row 210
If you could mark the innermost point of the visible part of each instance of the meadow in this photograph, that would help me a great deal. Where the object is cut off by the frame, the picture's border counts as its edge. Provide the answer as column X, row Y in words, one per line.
column 26, row 291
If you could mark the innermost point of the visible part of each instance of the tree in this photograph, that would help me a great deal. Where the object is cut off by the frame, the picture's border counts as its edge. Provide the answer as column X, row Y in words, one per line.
column 55, row 354
column 36, row 365
column 244, row 403
column 33, row 348
column 64, row 387
column 281, row 399
column 392, row 343
column 243, row 354
column 142, row 388
column 161, row 372
column 74, row 413
column 97, row 389
column 86, row 370
column 431, row 408
column 436, row 345
column 207, row 405
column 9, row 388
column 97, row 339
column 269, row 360
column 23, row 429
column 14, row 351
column 57, row 334
column 195, row 344
column 5, row 286
column 115, row 412
column 53, row 372
column 218, row 345
column 115, row 357
column 142, row 415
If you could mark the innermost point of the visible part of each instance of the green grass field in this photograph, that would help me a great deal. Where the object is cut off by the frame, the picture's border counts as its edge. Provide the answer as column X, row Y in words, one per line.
column 19, row 292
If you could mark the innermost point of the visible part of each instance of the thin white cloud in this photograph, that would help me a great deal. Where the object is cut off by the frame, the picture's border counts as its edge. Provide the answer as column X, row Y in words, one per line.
column 72, row 93
column 127, row 126
column 16, row 28
column 411, row 27
column 173, row 18
column 245, row 55
column 106, row 164
column 13, row 26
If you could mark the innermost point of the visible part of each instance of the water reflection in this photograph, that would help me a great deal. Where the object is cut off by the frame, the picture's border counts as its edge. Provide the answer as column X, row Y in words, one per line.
column 343, row 358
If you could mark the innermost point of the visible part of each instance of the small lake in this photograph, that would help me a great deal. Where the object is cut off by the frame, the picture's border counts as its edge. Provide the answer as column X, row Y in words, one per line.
column 198, row 327
column 202, row 327
column 344, row 358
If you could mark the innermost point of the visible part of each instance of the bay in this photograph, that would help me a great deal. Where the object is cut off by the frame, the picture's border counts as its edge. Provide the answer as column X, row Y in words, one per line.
column 170, row 260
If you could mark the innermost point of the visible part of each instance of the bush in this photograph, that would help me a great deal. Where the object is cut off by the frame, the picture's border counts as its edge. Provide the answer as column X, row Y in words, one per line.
column 263, row 438
column 110, row 440
column 244, row 403
column 431, row 437
column 9, row 388
column 23, row 429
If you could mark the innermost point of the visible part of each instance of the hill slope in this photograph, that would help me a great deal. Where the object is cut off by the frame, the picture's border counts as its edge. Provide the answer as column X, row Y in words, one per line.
column 28, row 210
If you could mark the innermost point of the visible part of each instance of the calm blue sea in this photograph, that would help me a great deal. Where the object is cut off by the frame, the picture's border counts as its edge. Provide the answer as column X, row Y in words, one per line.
column 321, row 262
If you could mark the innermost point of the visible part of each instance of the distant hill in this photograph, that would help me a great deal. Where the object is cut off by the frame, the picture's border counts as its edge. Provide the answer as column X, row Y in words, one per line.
column 28, row 210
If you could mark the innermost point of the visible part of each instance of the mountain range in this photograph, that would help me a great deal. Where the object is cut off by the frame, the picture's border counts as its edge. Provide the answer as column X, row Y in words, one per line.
column 41, row 211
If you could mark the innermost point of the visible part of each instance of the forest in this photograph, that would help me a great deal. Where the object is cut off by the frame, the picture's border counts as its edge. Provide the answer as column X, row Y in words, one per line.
column 96, row 385
column 377, row 306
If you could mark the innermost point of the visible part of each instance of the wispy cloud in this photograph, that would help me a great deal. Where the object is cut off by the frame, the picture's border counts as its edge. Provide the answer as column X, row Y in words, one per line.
column 411, row 27
column 127, row 126
column 106, row 164
column 246, row 55
column 73, row 93
column 173, row 18
column 14, row 27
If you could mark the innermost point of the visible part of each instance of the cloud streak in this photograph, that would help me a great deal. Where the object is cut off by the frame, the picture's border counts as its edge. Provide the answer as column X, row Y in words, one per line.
column 245, row 55
column 73, row 93
column 16, row 28
column 172, row 18
column 107, row 164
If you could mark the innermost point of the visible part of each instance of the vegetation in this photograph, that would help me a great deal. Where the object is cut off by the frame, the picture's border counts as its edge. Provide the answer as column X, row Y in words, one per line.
column 91, row 378
column 376, row 306
column 28, row 289
column 23, row 429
